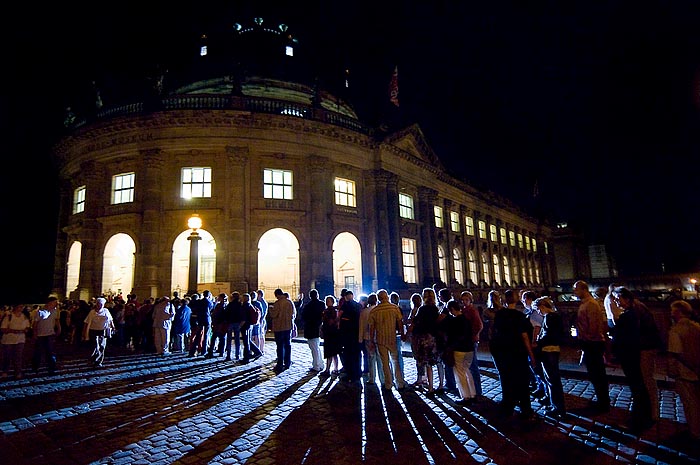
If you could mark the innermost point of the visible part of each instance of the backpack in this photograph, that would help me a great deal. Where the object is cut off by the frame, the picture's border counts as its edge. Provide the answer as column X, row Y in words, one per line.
column 253, row 315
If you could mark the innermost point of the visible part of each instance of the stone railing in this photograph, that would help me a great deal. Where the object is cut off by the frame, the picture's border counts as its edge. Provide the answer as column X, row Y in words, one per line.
column 226, row 102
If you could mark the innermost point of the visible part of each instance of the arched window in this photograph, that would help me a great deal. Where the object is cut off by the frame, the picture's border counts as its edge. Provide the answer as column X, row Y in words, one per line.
column 496, row 270
column 118, row 265
column 485, row 268
column 459, row 267
column 473, row 275
column 506, row 271
column 442, row 264
column 347, row 263
column 278, row 261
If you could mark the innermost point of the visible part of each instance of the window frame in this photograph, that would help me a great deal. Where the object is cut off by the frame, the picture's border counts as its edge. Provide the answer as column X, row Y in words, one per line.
column 190, row 178
column 119, row 192
column 350, row 192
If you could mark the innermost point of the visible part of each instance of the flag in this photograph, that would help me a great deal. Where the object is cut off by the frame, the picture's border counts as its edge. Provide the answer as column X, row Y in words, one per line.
column 394, row 87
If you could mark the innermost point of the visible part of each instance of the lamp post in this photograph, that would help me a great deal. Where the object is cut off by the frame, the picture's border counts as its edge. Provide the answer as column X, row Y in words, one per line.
column 195, row 223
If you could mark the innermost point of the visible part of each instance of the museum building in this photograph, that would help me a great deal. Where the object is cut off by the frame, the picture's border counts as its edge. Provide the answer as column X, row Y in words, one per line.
column 252, row 179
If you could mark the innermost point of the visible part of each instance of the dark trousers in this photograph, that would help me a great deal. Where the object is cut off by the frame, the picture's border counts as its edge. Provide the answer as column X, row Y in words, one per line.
column 514, row 373
column 352, row 359
column 641, row 402
column 552, row 379
column 44, row 347
column 593, row 353
column 250, row 348
column 233, row 336
column 283, row 340
column 474, row 370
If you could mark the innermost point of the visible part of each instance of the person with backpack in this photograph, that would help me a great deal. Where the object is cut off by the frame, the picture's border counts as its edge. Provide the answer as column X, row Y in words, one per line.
column 252, row 317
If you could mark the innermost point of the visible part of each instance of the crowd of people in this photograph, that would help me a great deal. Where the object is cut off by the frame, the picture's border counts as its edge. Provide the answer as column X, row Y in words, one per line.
column 362, row 339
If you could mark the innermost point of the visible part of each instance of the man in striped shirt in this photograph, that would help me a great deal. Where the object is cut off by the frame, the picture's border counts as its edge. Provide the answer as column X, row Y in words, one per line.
column 384, row 321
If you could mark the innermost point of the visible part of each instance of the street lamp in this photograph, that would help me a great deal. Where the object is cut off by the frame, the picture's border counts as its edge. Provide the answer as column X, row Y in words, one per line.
column 194, row 223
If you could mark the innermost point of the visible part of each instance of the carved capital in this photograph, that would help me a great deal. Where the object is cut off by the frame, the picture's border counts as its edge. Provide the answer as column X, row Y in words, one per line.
column 237, row 155
column 317, row 163
column 426, row 194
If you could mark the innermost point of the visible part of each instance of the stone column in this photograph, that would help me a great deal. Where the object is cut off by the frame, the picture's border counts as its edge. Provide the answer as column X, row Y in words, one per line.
column 377, row 186
column 317, row 262
column 90, row 283
column 63, row 241
column 449, row 241
column 428, row 236
column 395, row 278
column 238, row 250
column 148, row 281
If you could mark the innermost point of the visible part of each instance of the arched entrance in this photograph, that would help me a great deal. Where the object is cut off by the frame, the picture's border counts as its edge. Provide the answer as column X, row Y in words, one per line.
column 278, row 262
column 181, row 260
column 73, row 267
column 118, row 265
column 347, row 264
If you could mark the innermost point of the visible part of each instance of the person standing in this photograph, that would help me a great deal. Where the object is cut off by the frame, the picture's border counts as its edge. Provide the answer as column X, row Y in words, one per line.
column 14, row 329
column 416, row 302
column 349, row 315
column 331, row 337
column 98, row 327
column 163, row 314
column 181, row 324
column 591, row 329
column 684, row 364
column 384, row 321
column 549, row 340
column 282, row 316
column 636, row 341
column 263, row 319
column 46, row 327
column 476, row 324
column 512, row 354
column 201, row 311
column 312, row 316
column 251, row 317
column 444, row 297
column 234, row 312
column 422, row 332
column 219, row 326
column 460, row 342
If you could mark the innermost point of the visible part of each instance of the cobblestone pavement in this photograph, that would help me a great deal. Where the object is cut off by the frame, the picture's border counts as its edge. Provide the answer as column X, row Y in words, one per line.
column 145, row 409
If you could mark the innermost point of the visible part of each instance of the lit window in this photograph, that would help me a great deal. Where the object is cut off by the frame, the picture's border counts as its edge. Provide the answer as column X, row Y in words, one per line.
column 482, row 230
column 459, row 269
column 534, row 245
column 492, row 231
column 202, row 50
column 406, row 206
column 530, row 274
column 485, row 268
column 472, row 267
column 79, row 199
column 196, row 182
column 516, row 278
column 504, row 239
column 496, row 269
column 511, row 237
column 438, row 216
column 527, row 242
column 289, row 51
column 277, row 184
column 546, row 248
column 441, row 264
column 469, row 225
column 123, row 188
column 345, row 192
column 537, row 275
column 408, row 250
column 523, row 272
column 454, row 221
column 520, row 240
column 506, row 270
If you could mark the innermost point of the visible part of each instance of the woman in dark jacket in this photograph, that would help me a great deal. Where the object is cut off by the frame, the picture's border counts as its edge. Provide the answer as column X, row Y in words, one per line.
column 549, row 347
column 458, row 330
column 423, row 330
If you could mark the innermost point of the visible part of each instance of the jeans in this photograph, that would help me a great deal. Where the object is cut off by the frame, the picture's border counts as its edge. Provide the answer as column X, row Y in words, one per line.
column 474, row 370
column 593, row 352
column 44, row 346
column 283, row 339
column 552, row 379
column 234, row 333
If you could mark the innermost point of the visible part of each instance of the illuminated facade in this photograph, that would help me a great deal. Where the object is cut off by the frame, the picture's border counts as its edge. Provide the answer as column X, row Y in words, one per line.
column 293, row 190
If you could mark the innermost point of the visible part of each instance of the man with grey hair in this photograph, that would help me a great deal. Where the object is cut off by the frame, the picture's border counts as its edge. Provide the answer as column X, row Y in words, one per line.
column 163, row 315
column 591, row 329
column 384, row 321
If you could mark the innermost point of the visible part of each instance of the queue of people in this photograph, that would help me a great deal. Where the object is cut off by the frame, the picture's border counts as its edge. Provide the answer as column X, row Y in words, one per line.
column 362, row 339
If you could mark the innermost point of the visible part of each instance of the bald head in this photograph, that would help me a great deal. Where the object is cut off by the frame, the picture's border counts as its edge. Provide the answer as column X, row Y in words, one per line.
column 383, row 295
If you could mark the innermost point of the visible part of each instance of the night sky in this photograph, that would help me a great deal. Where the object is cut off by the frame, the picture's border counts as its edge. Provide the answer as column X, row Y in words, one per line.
column 595, row 102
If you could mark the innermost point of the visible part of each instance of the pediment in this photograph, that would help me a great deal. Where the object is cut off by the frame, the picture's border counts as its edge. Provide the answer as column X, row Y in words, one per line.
column 413, row 142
